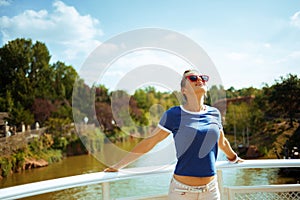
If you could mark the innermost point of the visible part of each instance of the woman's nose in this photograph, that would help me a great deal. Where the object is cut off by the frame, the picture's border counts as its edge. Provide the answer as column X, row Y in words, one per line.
column 200, row 79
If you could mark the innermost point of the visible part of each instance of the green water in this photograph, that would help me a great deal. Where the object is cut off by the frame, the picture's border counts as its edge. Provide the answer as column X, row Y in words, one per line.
column 86, row 164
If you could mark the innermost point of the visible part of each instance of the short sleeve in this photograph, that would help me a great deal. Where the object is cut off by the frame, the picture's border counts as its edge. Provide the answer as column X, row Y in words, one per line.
column 219, row 119
column 170, row 120
column 164, row 123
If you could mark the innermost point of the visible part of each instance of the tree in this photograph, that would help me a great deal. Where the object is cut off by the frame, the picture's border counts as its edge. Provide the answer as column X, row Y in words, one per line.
column 83, row 102
column 215, row 93
column 23, row 70
column 102, row 95
column 6, row 102
column 284, row 97
column 231, row 93
column 237, row 120
column 105, row 117
column 20, row 115
column 29, row 83
column 42, row 109
column 140, row 96
column 63, row 80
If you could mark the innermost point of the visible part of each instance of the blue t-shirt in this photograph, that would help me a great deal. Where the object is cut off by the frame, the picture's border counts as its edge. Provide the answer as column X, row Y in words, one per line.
column 196, row 137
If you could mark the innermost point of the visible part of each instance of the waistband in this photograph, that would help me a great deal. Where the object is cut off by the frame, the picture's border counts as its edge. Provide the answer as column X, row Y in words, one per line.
column 197, row 189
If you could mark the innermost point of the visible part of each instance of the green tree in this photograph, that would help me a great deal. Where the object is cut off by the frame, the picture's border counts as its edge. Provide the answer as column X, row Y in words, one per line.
column 284, row 97
column 140, row 96
column 22, row 72
column 6, row 102
column 231, row 93
column 20, row 115
column 82, row 102
column 27, row 79
column 238, row 121
column 102, row 94
column 63, row 80
column 215, row 94
column 257, row 117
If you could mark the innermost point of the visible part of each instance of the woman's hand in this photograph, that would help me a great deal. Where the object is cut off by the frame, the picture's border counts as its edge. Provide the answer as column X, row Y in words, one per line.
column 236, row 159
column 240, row 160
column 110, row 169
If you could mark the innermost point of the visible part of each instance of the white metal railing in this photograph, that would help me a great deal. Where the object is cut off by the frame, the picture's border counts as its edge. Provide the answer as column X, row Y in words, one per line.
column 261, row 192
column 228, row 192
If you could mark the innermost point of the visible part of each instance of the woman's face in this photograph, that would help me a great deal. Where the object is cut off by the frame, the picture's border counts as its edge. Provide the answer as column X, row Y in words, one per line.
column 195, row 84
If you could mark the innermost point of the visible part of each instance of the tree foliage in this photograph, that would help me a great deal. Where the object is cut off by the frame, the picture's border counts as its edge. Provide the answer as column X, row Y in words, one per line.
column 284, row 97
column 30, row 85
column 23, row 67
column 271, row 106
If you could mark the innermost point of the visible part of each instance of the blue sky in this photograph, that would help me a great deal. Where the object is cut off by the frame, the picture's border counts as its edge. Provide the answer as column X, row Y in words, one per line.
column 250, row 42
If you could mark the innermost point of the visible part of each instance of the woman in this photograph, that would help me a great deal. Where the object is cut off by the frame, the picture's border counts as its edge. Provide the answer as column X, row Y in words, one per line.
column 197, row 133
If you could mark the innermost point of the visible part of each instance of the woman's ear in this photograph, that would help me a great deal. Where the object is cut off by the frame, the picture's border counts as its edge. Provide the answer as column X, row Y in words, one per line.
column 183, row 90
column 183, row 95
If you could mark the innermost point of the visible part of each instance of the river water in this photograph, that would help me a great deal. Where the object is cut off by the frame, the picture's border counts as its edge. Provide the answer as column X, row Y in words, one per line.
column 157, row 184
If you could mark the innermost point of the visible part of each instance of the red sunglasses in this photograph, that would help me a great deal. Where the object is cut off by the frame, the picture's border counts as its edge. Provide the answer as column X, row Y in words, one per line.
column 194, row 78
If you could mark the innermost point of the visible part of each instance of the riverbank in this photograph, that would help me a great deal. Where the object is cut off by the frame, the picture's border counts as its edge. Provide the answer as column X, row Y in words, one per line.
column 23, row 160
column 41, row 153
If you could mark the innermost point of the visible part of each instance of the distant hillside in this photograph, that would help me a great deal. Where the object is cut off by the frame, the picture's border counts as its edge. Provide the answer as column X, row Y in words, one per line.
column 273, row 138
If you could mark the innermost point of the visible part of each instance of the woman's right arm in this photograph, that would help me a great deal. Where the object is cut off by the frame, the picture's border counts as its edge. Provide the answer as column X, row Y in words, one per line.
column 140, row 149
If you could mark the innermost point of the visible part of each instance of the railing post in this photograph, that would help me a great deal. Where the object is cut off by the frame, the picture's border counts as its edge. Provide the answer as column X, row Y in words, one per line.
column 220, row 183
column 105, row 191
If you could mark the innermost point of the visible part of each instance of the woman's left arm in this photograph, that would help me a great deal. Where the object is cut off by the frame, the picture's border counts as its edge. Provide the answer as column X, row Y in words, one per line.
column 224, row 145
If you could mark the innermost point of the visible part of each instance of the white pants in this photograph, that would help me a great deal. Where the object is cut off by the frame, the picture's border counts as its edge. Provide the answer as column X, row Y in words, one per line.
column 180, row 191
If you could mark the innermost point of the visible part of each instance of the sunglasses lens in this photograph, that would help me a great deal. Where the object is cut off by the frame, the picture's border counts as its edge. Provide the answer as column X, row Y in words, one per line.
column 204, row 78
column 193, row 78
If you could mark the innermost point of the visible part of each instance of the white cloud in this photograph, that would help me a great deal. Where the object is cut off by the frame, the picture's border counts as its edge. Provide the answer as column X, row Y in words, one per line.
column 71, row 34
column 267, row 45
column 248, row 60
column 237, row 56
column 4, row 3
column 295, row 19
column 128, row 63
column 295, row 55
column 263, row 66
column 291, row 58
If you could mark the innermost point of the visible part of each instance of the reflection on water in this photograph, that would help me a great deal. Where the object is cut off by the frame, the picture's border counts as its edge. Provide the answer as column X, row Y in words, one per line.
column 67, row 167
column 236, row 177
column 157, row 184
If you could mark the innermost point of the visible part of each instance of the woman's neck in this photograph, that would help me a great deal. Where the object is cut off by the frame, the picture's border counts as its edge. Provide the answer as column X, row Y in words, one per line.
column 195, row 105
